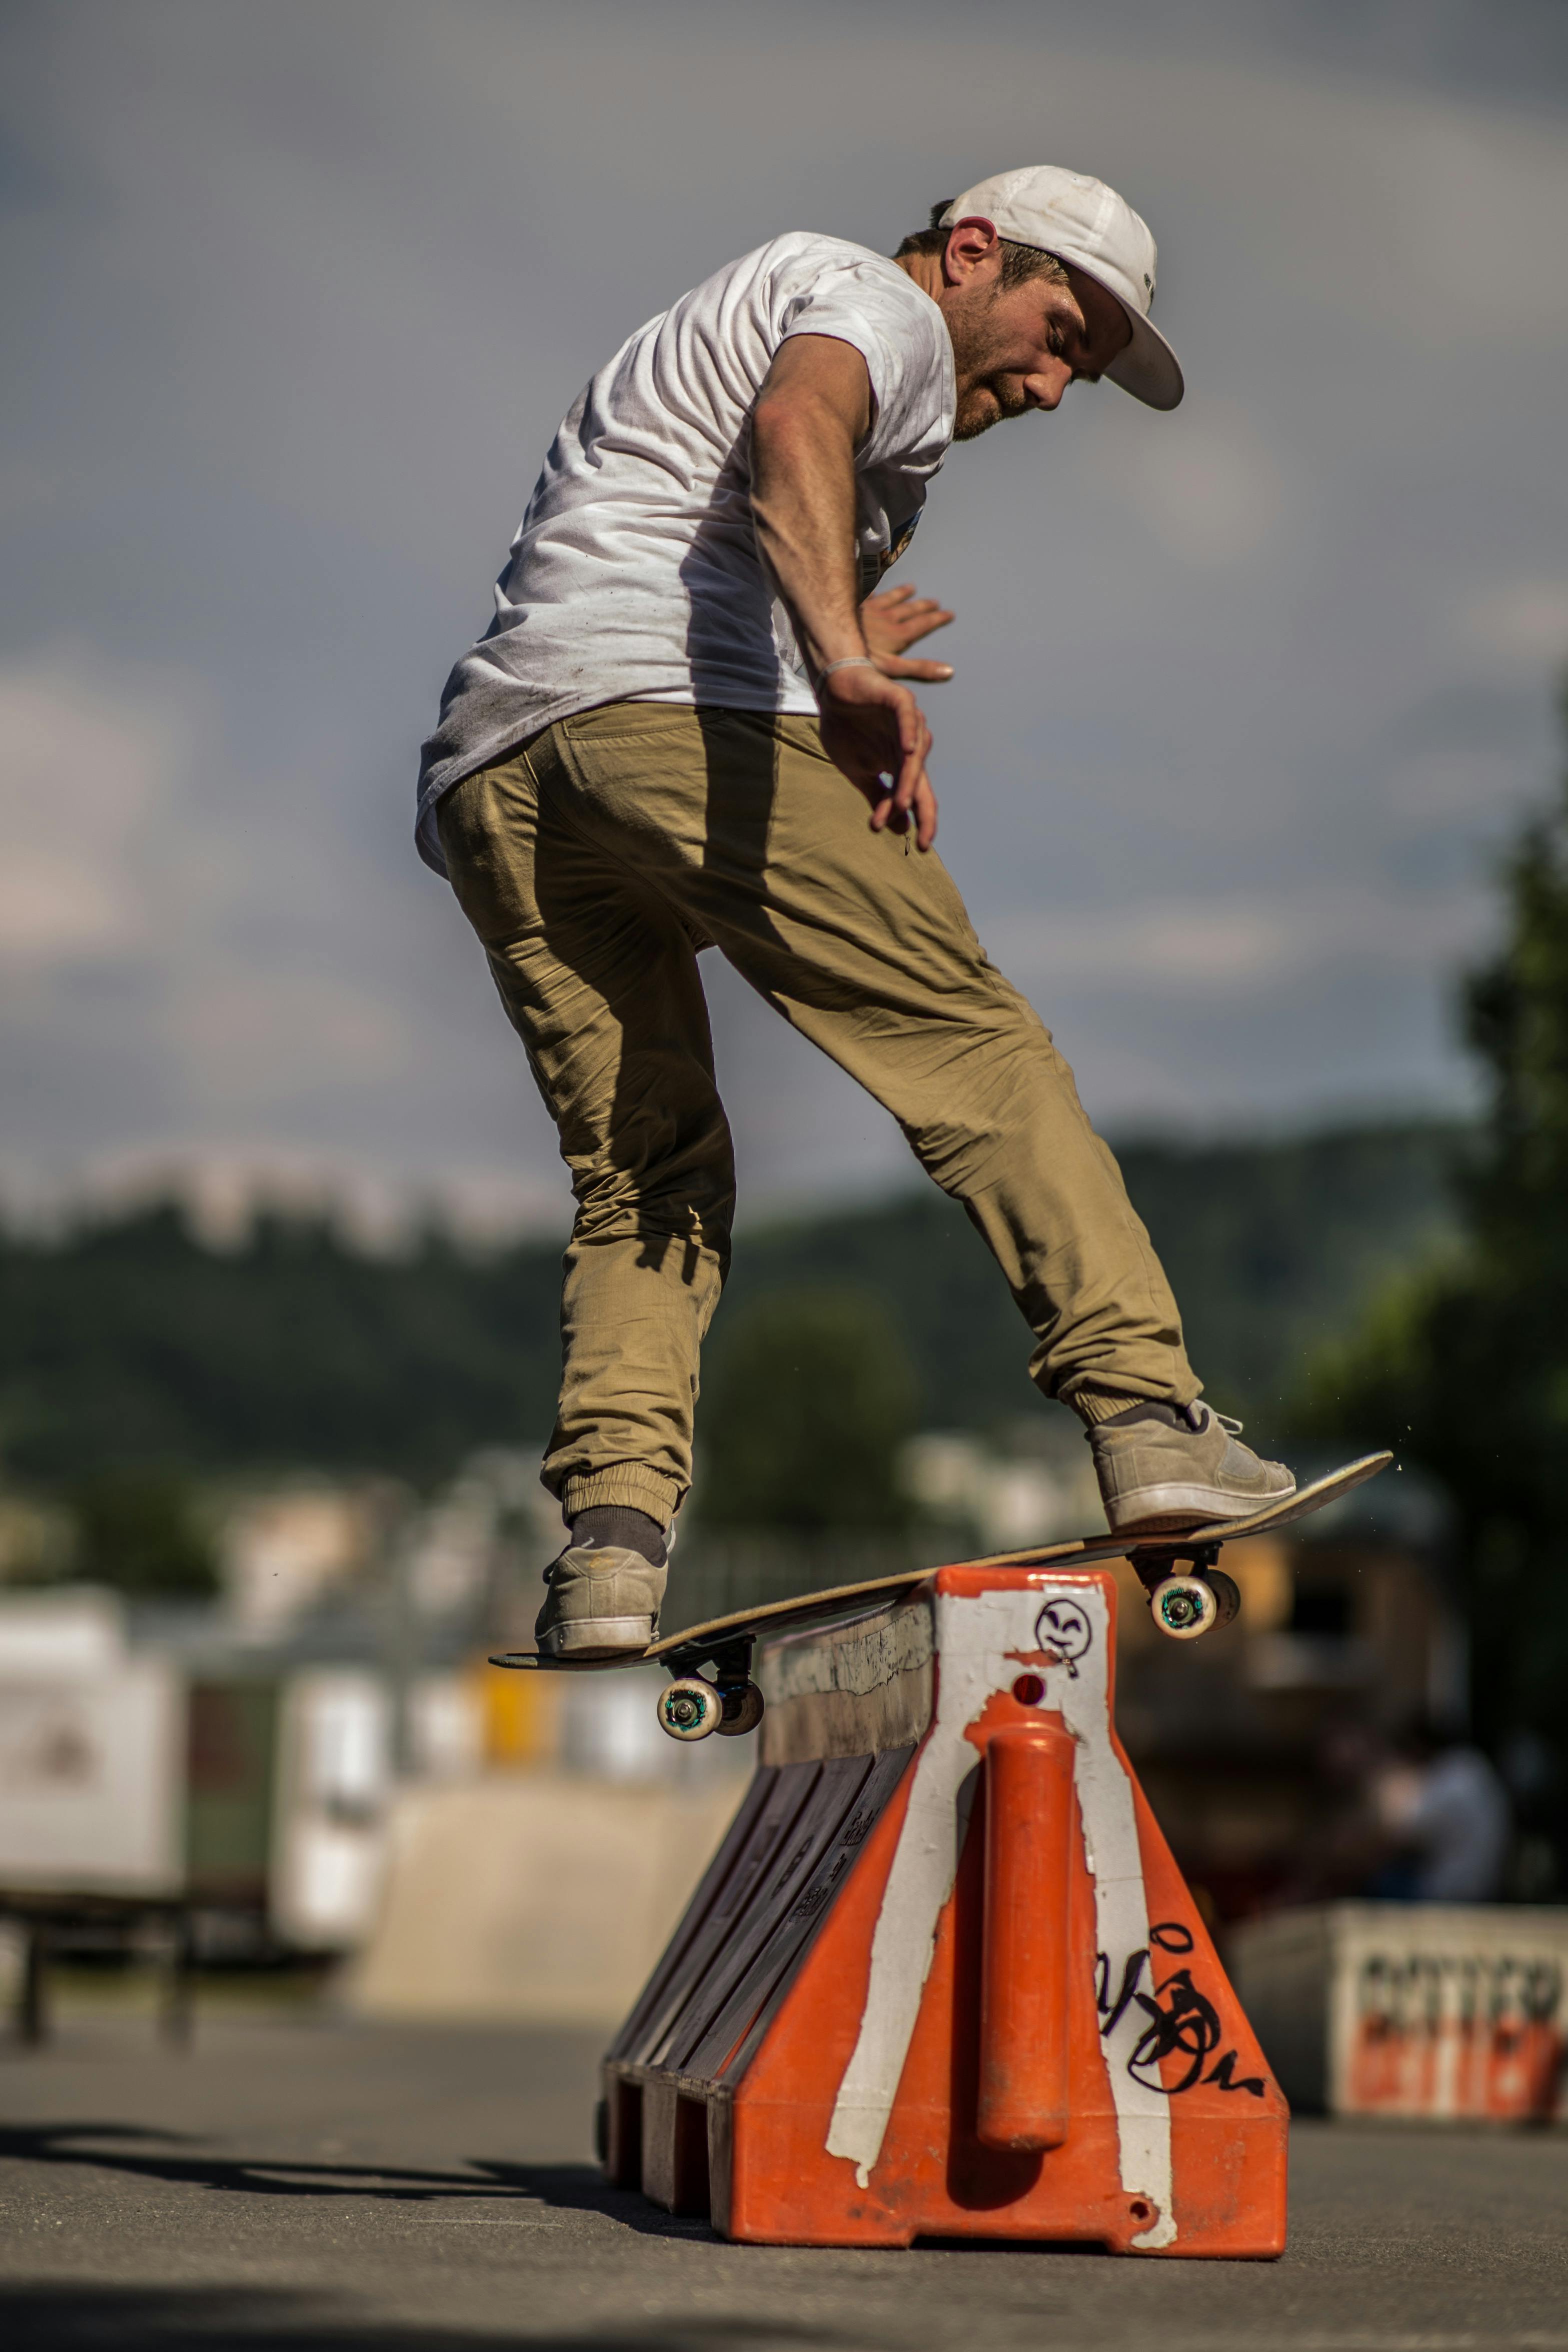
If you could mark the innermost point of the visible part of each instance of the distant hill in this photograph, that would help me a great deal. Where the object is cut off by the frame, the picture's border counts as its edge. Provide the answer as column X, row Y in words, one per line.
column 1273, row 1247
column 133, row 1342
column 1270, row 1246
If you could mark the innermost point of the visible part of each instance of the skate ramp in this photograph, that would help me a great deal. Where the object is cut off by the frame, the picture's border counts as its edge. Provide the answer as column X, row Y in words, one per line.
column 533, row 1897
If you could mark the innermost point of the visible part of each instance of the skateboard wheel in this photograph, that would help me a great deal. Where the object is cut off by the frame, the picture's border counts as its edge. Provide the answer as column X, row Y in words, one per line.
column 1184, row 1607
column 690, row 1709
column 1227, row 1593
column 742, row 1710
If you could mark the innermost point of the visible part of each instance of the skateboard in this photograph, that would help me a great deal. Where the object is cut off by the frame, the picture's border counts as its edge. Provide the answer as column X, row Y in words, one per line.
column 1187, row 1593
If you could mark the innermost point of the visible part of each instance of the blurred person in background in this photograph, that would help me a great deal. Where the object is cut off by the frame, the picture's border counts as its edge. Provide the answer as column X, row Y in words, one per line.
column 1446, row 1811
column 1346, row 1845
column 1537, row 1785
column 1421, row 1819
column 663, row 743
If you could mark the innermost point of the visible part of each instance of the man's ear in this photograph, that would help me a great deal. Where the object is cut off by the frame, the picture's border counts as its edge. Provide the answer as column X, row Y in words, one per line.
column 970, row 245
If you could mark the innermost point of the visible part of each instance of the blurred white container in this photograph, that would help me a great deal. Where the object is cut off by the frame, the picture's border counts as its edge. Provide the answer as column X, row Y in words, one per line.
column 446, row 1727
column 91, row 1753
column 334, row 1783
column 1450, row 2011
column 607, row 1728
column 610, row 1730
column 1008, row 1502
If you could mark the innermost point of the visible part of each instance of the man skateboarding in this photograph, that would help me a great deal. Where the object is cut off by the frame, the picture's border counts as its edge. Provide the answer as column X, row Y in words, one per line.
column 667, row 739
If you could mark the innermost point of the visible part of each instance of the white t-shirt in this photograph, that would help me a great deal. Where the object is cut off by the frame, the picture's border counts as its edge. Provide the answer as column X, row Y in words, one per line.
column 634, row 575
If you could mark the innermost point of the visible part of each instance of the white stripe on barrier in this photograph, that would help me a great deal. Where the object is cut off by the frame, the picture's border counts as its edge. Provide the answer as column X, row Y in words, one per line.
column 978, row 1639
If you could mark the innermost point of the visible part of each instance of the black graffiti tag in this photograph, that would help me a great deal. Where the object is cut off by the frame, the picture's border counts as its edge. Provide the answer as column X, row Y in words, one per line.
column 1182, row 2021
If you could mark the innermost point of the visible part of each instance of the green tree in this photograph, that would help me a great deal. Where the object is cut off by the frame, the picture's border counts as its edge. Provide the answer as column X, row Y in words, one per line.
column 1465, row 1368
column 130, row 1342
column 141, row 1531
column 810, row 1396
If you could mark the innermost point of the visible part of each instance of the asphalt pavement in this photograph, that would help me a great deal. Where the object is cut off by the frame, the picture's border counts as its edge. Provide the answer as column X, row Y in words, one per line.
column 316, row 2184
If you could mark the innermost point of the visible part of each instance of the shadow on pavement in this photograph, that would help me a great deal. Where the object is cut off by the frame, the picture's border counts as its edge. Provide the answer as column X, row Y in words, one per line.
column 192, row 2319
column 145, row 2155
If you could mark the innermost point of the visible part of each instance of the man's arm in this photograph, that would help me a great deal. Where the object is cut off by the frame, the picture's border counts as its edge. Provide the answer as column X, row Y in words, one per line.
column 811, row 414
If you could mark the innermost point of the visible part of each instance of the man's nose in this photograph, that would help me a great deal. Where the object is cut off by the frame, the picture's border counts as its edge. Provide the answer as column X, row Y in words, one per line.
column 1045, row 387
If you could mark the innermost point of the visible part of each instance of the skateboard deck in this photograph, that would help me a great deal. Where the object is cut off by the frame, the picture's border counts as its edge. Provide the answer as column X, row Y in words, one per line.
column 1155, row 1556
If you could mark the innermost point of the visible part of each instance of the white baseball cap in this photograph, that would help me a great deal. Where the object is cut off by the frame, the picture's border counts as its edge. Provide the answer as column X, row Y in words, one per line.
column 1082, row 221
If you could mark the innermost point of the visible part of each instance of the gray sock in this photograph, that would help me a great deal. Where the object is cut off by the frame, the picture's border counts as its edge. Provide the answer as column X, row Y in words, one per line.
column 616, row 1523
column 1174, row 1416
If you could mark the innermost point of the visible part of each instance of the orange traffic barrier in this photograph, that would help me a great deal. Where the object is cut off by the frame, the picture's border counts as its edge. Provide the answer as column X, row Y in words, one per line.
column 943, row 1977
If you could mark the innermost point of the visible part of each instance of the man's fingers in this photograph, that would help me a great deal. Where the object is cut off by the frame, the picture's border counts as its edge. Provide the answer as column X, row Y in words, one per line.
column 932, row 673
column 890, row 771
column 911, row 801
column 896, row 617
column 904, row 600
column 918, row 620
column 925, row 813
column 914, row 736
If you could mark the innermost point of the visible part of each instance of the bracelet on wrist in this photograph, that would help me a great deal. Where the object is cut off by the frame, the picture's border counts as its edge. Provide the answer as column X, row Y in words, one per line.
column 851, row 661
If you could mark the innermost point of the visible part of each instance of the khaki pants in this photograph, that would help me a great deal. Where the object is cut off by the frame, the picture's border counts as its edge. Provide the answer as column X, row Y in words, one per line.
column 593, row 864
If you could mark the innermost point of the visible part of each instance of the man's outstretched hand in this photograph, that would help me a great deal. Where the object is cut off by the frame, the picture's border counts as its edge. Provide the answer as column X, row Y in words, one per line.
column 897, row 618
column 873, row 730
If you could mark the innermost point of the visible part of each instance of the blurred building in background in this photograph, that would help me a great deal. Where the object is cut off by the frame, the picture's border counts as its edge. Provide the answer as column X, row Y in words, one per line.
column 278, row 1771
column 319, row 1738
column 1349, row 1635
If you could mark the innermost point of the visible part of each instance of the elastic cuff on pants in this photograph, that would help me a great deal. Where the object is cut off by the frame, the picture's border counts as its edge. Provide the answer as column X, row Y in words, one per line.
column 1092, row 1405
column 628, row 1483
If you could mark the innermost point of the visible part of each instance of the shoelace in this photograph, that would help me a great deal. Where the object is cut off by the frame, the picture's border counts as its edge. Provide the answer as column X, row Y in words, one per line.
column 1227, row 1422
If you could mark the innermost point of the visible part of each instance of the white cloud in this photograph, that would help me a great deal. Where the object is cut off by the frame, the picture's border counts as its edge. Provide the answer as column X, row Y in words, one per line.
column 92, row 757
column 1436, row 786
column 24, row 485
column 1518, row 626
column 252, row 1037
column 154, row 919
column 1250, row 940
column 1208, row 484
column 225, row 1178
column 309, row 291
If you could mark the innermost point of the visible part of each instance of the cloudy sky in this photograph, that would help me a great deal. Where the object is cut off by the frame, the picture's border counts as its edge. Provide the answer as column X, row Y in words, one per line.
column 1247, row 698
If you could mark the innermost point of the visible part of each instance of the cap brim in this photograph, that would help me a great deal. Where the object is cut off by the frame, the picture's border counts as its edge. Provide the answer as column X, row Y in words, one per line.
column 1147, row 368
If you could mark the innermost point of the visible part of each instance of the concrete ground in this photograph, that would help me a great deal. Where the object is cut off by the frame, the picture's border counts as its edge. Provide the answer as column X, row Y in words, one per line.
column 303, row 2183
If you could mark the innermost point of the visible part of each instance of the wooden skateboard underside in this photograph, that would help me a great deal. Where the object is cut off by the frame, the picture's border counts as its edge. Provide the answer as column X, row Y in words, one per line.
column 692, row 1641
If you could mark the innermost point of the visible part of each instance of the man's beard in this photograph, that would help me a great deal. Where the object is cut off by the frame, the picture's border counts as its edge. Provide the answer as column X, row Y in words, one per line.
column 989, row 399
column 994, row 406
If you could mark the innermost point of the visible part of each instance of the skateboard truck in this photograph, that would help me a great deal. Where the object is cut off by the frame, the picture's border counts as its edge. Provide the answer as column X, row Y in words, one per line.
column 727, row 1701
column 1184, row 1606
